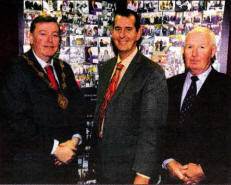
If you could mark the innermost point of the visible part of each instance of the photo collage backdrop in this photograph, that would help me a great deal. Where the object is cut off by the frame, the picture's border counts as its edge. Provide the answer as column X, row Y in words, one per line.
column 85, row 33
column 165, row 24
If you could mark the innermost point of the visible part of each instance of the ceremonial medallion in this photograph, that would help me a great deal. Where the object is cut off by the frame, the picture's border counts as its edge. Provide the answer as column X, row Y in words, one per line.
column 62, row 101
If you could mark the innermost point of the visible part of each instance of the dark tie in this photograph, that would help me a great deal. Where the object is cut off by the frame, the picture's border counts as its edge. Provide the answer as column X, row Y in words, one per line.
column 51, row 77
column 188, row 100
column 110, row 92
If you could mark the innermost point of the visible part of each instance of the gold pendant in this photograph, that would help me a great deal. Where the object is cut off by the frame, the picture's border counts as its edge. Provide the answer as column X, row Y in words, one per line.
column 62, row 101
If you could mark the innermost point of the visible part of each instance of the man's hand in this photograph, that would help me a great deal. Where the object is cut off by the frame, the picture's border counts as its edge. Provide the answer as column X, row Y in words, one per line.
column 72, row 144
column 65, row 151
column 140, row 180
column 177, row 170
column 194, row 172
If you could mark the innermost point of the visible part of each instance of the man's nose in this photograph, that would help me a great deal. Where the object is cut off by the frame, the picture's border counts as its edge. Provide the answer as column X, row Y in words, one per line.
column 195, row 52
column 122, row 33
column 50, row 38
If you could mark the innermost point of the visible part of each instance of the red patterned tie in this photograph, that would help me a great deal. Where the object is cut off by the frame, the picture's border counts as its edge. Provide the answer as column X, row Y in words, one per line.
column 110, row 92
column 51, row 76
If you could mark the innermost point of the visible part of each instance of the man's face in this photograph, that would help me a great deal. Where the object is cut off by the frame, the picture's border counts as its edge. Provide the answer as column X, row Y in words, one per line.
column 124, row 34
column 45, row 40
column 198, row 51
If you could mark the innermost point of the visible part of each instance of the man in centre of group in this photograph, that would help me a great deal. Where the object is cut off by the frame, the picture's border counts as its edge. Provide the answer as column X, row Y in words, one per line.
column 131, row 108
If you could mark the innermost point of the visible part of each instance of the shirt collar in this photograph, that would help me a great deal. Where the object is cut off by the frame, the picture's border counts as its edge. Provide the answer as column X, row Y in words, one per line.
column 127, row 60
column 42, row 62
column 201, row 76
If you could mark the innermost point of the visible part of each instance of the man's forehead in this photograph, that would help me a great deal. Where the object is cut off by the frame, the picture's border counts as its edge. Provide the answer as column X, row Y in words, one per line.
column 120, row 17
column 202, row 36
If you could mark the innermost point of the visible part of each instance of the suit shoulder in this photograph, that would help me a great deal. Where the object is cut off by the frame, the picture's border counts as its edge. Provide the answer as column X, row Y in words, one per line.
column 15, row 64
column 151, row 66
column 222, row 78
column 172, row 81
column 107, row 63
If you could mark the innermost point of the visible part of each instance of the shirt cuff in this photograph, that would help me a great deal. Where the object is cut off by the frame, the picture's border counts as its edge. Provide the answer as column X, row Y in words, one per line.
column 56, row 143
column 79, row 137
column 164, row 164
column 144, row 176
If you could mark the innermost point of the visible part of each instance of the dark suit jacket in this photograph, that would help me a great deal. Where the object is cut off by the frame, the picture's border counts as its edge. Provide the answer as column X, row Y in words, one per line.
column 204, row 138
column 133, row 122
column 34, row 119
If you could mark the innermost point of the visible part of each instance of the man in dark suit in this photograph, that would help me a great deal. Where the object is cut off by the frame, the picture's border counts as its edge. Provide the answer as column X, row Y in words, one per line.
column 42, row 112
column 197, row 138
column 131, row 124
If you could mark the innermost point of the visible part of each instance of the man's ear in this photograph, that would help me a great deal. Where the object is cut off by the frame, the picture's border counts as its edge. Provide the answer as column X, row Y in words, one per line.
column 111, row 31
column 182, row 50
column 139, row 34
column 214, row 50
column 31, row 38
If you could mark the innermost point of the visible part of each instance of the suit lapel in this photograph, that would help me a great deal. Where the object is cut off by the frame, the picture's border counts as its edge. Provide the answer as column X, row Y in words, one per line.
column 58, row 71
column 106, row 78
column 205, row 90
column 178, row 89
column 135, row 64
column 32, row 58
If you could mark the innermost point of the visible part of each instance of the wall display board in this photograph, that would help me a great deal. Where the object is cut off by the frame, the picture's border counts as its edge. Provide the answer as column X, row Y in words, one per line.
column 85, row 31
column 85, row 44
column 165, row 24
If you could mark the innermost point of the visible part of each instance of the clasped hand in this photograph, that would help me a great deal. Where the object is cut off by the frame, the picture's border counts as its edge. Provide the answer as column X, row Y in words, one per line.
column 190, row 173
column 65, row 151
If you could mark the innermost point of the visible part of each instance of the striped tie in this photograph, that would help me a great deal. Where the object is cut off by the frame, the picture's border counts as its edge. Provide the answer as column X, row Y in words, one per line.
column 110, row 92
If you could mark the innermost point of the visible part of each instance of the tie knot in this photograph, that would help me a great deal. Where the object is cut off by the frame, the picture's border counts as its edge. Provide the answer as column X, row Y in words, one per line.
column 119, row 66
column 194, row 78
column 49, row 69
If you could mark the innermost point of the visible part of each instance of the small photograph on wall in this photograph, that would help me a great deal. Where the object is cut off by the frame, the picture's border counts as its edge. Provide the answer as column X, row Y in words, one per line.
column 146, row 46
column 132, row 5
column 149, row 30
column 91, row 30
column 77, row 54
column 166, row 5
column 91, row 41
column 65, row 41
column 95, row 7
column 64, row 29
column 64, row 54
column 176, row 40
column 192, row 17
column 91, row 55
column 174, row 64
column 81, row 7
column 169, row 17
column 65, row 6
column 30, row 15
column 199, row 5
column 76, row 40
column 183, row 5
column 105, row 53
column 76, row 29
column 178, row 18
column 216, row 5
column 33, row 5
column 49, row 5
column 180, row 29
column 26, row 36
column 161, row 44
column 104, row 41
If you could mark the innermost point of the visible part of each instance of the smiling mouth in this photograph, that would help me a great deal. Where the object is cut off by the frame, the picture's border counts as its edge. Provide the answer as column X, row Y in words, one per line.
column 49, row 47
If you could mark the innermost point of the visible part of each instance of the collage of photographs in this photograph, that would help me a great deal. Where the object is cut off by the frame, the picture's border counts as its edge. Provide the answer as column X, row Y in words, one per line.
column 165, row 24
column 86, row 42
column 85, row 33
